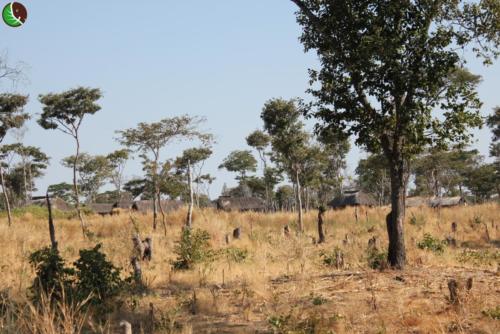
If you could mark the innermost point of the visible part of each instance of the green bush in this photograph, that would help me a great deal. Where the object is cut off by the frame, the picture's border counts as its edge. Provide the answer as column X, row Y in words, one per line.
column 479, row 256
column 493, row 313
column 194, row 247
column 234, row 254
column 376, row 259
column 52, row 277
column 96, row 277
column 330, row 258
column 433, row 244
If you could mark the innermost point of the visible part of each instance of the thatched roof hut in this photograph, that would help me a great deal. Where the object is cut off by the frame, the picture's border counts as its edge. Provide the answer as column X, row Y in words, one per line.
column 55, row 202
column 418, row 201
column 146, row 206
column 102, row 209
column 228, row 203
column 352, row 198
column 123, row 204
column 446, row 202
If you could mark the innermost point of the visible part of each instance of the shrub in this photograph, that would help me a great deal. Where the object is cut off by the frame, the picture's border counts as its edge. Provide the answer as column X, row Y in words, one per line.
column 480, row 256
column 96, row 277
column 194, row 247
column 51, row 275
column 433, row 244
column 376, row 259
column 331, row 258
column 234, row 254
column 493, row 313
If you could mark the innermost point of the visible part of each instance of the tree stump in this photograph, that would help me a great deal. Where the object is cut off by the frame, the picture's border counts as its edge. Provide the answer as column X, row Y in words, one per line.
column 237, row 233
column 286, row 231
column 227, row 239
column 136, row 265
column 126, row 327
column 339, row 259
column 321, row 233
column 138, row 247
column 372, row 243
column 148, row 249
column 453, row 288
column 454, row 227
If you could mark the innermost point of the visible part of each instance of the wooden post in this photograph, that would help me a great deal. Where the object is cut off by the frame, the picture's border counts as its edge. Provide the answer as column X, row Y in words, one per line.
column 51, row 224
column 453, row 227
column 286, row 231
column 356, row 213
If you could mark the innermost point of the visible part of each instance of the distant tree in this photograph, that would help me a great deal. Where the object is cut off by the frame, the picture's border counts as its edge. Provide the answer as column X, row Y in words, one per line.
column 150, row 138
column 386, row 67
column 117, row 161
column 63, row 191
column 65, row 112
column 240, row 162
column 93, row 171
column 441, row 172
column 289, row 141
column 373, row 177
column 139, row 187
column 260, row 140
column 481, row 182
column 32, row 164
column 285, row 197
column 191, row 160
column 12, row 116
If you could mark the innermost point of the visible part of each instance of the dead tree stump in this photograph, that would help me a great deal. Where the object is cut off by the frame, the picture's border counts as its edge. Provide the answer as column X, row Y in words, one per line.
column 138, row 247
column 148, row 249
column 454, row 227
column 237, row 233
column 286, row 231
column 321, row 233
column 453, row 288
column 136, row 266
column 227, row 239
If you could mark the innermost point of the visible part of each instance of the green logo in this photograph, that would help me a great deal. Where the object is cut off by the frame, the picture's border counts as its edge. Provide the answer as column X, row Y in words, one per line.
column 14, row 14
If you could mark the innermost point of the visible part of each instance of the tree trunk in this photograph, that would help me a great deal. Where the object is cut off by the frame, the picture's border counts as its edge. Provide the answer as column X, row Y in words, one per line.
column 395, row 219
column 156, row 193
column 75, row 187
column 30, row 181
column 25, row 181
column 189, row 220
column 52, row 232
column 5, row 197
column 321, row 233
column 158, row 196
column 299, row 201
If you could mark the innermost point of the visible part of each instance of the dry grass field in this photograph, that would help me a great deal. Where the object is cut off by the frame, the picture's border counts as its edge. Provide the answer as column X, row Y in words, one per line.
column 267, row 282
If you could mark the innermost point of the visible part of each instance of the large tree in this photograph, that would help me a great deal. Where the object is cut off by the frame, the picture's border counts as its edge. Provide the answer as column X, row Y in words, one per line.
column 65, row 112
column 494, row 124
column 12, row 116
column 391, row 73
column 149, row 139
column 290, row 142
column 240, row 162
column 116, row 162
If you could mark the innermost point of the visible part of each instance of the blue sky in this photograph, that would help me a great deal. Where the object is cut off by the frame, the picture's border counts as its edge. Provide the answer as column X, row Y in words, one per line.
column 153, row 59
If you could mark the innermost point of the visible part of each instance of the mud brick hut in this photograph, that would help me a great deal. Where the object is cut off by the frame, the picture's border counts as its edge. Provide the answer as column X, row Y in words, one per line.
column 352, row 198
column 227, row 203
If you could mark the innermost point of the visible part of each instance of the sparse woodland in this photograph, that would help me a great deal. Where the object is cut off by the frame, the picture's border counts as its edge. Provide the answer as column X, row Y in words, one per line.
column 392, row 79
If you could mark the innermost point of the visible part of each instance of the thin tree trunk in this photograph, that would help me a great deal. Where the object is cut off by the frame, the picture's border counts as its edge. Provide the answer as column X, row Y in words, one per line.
column 158, row 196
column 299, row 200
column 156, row 191
column 395, row 219
column 75, row 188
column 189, row 220
column 6, row 197
column 30, row 182
column 25, row 181
column 51, row 224
column 321, row 233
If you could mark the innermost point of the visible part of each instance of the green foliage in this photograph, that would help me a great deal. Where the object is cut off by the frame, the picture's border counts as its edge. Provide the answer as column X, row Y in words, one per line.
column 318, row 300
column 11, row 112
column 194, row 247
column 432, row 244
column 376, row 259
column 96, row 276
column 374, row 177
column 493, row 313
column 235, row 254
column 52, row 278
column 93, row 278
column 240, row 162
column 479, row 256
column 330, row 258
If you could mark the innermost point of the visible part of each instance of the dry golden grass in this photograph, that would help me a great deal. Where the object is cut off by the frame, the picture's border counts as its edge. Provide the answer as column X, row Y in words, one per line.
column 284, row 280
